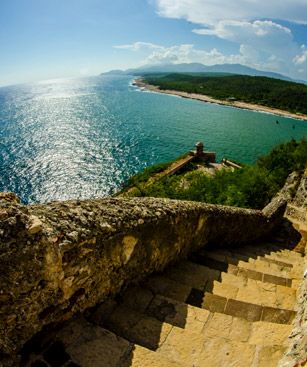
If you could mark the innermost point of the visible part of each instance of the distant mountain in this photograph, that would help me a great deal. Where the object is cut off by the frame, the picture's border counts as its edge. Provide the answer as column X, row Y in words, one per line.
column 115, row 72
column 245, row 70
column 199, row 68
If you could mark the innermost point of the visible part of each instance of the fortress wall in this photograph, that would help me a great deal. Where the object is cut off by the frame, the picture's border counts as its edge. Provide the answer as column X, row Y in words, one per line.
column 60, row 258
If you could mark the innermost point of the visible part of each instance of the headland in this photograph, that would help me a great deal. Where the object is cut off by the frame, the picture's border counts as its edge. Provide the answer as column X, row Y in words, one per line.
column 140, row 82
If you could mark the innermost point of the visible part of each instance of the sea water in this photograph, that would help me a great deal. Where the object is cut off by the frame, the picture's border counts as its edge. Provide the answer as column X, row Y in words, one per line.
column 83, row 138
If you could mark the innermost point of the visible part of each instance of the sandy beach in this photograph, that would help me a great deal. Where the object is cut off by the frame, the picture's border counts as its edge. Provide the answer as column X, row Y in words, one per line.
column 200, row 97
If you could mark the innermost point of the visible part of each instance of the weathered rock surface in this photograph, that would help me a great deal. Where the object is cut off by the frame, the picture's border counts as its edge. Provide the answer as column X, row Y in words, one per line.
column 297, row 351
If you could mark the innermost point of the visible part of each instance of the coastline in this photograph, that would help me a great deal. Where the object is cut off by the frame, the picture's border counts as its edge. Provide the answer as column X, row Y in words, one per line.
column 204, row 98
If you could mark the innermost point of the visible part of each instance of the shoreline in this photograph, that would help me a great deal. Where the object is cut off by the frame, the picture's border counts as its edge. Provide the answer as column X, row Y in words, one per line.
column 204, row 98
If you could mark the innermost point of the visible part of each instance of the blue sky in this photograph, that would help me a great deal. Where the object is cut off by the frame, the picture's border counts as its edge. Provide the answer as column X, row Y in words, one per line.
column 43, row 39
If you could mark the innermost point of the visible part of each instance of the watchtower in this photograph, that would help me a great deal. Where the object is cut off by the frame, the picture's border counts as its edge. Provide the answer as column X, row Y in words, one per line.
column 199, row 149
column 208, row 157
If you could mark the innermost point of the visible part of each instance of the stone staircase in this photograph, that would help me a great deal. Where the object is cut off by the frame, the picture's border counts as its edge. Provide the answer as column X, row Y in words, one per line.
column 217, row 308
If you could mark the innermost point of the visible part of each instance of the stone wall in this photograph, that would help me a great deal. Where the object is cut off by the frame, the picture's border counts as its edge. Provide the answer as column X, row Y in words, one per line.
column 297, row 209
column 297, row 352
column 61, row 258
column 296, row 355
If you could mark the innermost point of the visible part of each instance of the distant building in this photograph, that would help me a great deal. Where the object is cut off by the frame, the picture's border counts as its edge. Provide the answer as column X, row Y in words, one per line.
column 208, row 157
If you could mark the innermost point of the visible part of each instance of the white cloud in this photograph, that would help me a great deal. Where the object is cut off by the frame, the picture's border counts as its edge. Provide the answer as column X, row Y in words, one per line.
column 263, row 43
column 266, row 40
column 266, row 35
column 184, row 54
column 301, row 58
column 137, row 46
column 247, row 55
column 187, row 53
column 208, row 12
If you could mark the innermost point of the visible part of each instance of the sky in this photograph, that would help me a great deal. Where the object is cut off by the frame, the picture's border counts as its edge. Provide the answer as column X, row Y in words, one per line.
column 46, row 39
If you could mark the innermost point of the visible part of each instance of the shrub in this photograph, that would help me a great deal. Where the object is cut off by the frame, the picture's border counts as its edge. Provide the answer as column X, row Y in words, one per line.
column 253, row 186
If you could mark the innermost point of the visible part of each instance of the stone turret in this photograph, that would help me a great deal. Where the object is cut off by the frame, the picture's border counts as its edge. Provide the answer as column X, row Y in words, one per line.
column 199, row 148
column 209, row 157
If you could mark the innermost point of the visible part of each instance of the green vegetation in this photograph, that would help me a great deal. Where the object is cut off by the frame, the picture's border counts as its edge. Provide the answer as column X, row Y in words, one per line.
column 145, row 175
column 264, row 91
column 140, row 179
column 251, row 187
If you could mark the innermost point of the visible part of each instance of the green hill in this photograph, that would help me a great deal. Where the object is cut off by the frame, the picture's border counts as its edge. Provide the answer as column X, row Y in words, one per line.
column 252, row 186
column 285, row 95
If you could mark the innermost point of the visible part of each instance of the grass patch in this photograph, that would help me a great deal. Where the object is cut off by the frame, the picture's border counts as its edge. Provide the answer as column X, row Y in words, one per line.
column 252, row 186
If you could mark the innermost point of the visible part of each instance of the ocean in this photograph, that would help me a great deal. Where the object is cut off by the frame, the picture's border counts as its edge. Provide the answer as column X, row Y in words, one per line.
column 83, row 138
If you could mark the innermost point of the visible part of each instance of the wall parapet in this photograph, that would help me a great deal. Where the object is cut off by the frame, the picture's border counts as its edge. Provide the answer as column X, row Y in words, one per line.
column 296, row 354
column 60, row 258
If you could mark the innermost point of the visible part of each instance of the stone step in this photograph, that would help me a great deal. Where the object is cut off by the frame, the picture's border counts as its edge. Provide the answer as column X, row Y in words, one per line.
column 288, row 253
column 265, row 256
column 266, row 267
column 142, row 357
column 159, row 284
column 165, row 309
column 251, row 250
column 272, row 248
column 192, row 274
column 157, row 335
column 82, row 344
column 193, row 331
column 195, row 350
column 254, row 291
column 215, row 303
column 266, row 247
column 219, row 259
column 137, row 327
column 258, row 264
column 92, row 346
column 269, row 334
column 269, row 264
column 244, row 253
column 211, row 349
column 169, row 288
column 248, row 311
column 273, row 260
column 247, row 273
column 285, row 257
column 192, row 318
column 237, row 286
column 268, row 356
column 98, row 347
column 238, row 329
column 244, row 281
column 223, row 264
